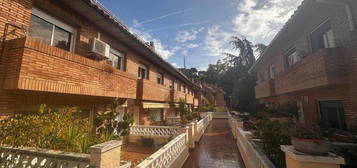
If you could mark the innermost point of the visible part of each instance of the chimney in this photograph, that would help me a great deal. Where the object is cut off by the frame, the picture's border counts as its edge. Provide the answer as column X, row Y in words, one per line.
column 152, row 45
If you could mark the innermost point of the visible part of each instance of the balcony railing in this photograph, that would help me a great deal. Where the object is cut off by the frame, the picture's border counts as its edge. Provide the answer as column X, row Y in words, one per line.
column 189, row 99
column 149, row 90
column 265, row 89
column 195, row 102
column 176, row 96
column 36, row 66
column 324, row 67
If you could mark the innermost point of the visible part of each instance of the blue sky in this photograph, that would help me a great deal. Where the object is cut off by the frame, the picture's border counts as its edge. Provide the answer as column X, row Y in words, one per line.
column 201, row 30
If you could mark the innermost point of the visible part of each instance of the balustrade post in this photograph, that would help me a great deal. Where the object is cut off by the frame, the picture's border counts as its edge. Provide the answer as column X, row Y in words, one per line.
column 186, row 131
column 195, row 131
column 106, row 155
column 191, row 135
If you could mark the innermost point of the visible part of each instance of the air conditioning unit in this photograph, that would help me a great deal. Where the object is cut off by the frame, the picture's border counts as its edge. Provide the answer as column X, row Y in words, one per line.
column 99, row 48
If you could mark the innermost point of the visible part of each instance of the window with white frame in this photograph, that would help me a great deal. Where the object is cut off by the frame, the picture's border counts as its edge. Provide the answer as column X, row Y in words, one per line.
column 272, row 71
column 160, row 78
column 116, row 59
column 48, row 29
column 142, row 72
column 292, row 57
column 323, row 37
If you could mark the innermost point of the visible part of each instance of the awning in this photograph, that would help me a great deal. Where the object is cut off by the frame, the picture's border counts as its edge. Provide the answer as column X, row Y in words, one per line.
column 147, row 105
column 175, row 105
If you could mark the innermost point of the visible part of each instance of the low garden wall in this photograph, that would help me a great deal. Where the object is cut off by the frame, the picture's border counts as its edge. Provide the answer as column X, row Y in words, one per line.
column 101, row 156
column 251, row 155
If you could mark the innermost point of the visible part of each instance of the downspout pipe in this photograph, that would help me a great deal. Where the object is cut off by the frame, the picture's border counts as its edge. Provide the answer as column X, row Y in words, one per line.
column 347, row 9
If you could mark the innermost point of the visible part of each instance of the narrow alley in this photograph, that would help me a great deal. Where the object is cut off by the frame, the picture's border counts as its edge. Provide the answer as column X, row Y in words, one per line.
column 216, row 149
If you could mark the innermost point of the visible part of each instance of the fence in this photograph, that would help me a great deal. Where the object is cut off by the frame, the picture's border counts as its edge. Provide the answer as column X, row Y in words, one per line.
column 172, row 154
column 175, row 153
column 163, row 131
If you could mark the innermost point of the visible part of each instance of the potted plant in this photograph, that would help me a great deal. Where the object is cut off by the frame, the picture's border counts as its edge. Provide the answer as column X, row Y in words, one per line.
column 309, row 139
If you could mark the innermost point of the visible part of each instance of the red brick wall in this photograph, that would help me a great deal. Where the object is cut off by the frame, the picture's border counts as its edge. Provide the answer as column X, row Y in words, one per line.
column 334, row 77
column 105, row 85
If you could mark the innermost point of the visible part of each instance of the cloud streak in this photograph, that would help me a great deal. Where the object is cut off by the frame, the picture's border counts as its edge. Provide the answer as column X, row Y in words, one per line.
column 178, row 26
column 137, row 23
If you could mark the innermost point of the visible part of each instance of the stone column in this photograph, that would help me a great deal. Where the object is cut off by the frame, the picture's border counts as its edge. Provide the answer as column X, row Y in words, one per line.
column 295, row 159
column 191, row 136
column 106, row 155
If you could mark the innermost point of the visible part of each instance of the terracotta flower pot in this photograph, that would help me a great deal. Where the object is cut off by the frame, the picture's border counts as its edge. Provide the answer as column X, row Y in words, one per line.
column 311, row 146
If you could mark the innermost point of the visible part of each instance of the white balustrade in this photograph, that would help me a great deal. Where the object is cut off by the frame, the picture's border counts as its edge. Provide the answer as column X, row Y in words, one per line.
column 175, row 152
column 35, row 158
column 144, row 130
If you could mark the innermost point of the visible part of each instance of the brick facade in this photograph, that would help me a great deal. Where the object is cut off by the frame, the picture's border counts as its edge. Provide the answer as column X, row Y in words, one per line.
column 325, row 74
column 34, row 73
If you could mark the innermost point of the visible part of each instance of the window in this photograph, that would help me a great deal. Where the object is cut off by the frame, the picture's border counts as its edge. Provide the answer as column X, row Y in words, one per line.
column 179, row 87
column 47, row 29
column 172, row 83
column 116, row 59
column 160, row 78
column 322, row 37
column 272, row 71
column 143, row 72
column 332, row 114
column 292, row 57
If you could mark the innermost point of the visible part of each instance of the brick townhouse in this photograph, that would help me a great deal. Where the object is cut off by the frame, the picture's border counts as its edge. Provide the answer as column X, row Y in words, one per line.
column 213, row 95
column 312, row 62
column 66, row 52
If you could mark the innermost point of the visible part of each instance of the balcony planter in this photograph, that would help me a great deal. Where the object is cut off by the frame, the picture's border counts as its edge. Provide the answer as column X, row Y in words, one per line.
column 310, row 139
column 311, row 146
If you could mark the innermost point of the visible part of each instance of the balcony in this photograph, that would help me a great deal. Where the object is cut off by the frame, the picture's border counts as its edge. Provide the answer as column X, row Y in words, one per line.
column 36, row 66
column 149, row 90
column 322, row 68
column 195, row 102
column 265, row 89
column 176, row 96
column 189, row 99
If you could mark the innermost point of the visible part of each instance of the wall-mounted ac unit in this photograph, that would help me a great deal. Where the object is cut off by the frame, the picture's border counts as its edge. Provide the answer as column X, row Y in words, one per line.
column 99, row 48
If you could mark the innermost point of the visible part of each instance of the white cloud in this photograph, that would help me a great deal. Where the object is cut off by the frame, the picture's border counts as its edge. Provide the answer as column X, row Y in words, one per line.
column 164, row 51
column 188, row 35
column 257, row 20
column 260, row 20
column 217, row 41
column 184, row 52
column 174, row 64
column 192, row 45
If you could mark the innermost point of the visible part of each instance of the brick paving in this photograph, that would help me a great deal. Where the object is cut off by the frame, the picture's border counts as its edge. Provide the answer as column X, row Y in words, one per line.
column 216, row 149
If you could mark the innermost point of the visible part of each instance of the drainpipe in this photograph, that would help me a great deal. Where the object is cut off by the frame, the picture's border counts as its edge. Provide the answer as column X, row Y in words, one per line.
column 347, row 9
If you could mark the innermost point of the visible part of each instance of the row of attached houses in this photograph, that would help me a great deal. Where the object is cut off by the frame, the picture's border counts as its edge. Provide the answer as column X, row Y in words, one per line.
column 312, row 62
column 77, row 53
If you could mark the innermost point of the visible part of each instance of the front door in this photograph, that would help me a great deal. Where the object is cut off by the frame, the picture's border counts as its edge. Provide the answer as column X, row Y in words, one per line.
column 332, row 113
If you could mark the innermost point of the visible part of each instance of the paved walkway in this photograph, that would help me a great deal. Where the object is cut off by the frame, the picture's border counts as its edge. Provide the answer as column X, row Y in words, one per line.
column 217, row 148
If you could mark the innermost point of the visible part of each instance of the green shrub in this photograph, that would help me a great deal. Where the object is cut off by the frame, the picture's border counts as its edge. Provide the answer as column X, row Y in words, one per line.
column 274, row 134
column 284, row 110
column 46, row 128
column 61, row 130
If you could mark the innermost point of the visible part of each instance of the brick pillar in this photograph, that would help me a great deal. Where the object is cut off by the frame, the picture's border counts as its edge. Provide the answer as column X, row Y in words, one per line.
column 106, row 155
